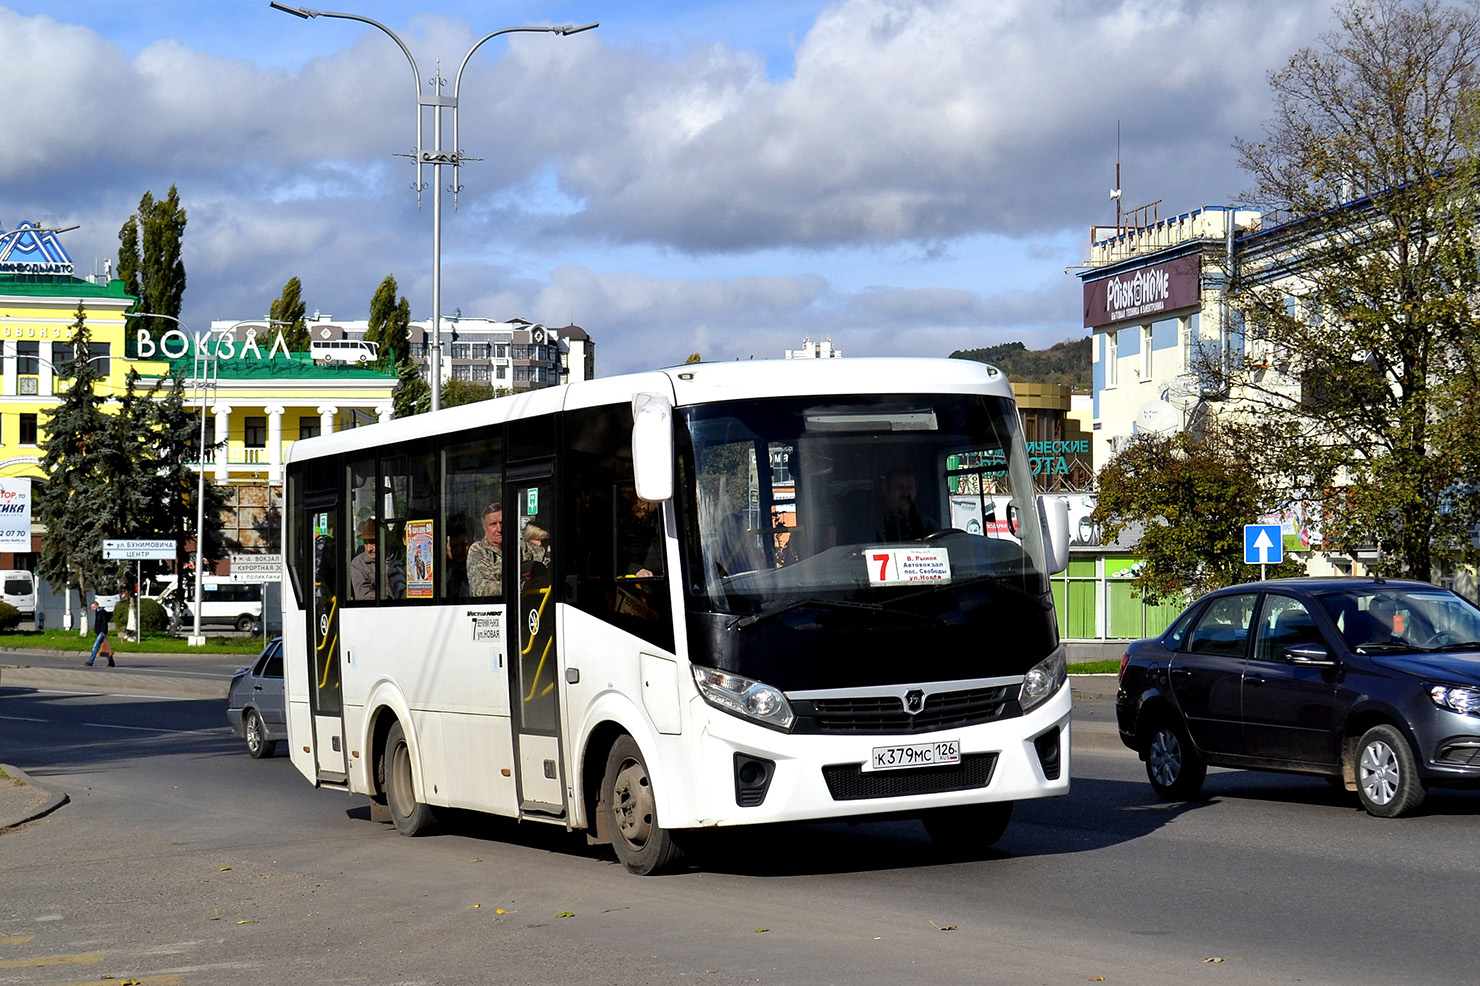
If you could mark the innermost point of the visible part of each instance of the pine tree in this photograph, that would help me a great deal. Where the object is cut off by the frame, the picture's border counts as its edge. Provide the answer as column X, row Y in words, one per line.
column 76, row 503
column 289, row 310
column 172, row 485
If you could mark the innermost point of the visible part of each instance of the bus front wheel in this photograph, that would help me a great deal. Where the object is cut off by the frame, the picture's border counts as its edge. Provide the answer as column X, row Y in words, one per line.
column 411, row 816
column 641, row 844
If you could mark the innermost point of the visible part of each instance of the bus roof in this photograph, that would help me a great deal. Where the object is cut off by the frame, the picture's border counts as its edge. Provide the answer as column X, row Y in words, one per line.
column 688, row 384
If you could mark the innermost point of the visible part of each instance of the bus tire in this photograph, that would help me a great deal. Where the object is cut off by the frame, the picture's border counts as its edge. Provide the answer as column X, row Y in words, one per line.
column 642, row 845
column 412, row 817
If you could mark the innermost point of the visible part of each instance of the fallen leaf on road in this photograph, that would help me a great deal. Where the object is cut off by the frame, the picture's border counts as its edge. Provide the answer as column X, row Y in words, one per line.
column 566, row 914
column 1213, row 959
column 942, row 927
column 761, row 931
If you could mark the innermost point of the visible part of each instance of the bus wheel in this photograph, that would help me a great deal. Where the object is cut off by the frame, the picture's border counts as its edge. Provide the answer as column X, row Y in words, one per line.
column 641, row 844
column 967, row 828
column 411, row 816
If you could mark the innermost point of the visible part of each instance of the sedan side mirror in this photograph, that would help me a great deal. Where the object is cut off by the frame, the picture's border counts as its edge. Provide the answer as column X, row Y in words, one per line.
column 1310, row 655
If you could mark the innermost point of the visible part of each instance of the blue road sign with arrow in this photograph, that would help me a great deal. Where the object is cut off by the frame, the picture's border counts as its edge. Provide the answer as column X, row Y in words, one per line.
column 1264, row 544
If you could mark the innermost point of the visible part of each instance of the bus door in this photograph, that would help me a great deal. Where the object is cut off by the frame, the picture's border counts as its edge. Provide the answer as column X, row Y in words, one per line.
column 531, row 538
column 326, row 700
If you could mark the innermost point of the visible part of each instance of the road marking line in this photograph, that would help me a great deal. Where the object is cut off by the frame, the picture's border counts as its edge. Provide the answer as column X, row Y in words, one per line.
column 40, row 961
column 105, row 725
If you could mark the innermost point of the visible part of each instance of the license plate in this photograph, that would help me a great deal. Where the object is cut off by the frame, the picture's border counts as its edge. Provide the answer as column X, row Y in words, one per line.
column 937, row 754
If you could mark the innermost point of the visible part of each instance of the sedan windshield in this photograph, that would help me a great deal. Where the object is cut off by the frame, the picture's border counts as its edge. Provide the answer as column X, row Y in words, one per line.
column 1397, row 618
column 916, row 507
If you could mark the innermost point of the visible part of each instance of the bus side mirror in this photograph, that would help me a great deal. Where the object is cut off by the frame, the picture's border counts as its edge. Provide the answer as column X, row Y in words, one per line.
column 652, row 446
column 1053, row 512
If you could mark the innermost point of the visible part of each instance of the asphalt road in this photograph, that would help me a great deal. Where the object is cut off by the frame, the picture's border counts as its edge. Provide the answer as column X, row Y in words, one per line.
column 181, row 860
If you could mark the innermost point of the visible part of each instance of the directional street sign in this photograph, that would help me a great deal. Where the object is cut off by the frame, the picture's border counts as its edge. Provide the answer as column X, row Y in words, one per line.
column 1264, row 544
column 115, row 549
column 257, row 568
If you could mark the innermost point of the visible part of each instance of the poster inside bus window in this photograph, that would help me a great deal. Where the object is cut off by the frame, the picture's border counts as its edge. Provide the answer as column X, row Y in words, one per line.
column 420, row 560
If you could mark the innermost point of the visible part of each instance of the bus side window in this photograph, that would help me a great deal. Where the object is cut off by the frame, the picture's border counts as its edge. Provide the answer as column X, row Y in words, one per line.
column 472, row 488
column 610, row 537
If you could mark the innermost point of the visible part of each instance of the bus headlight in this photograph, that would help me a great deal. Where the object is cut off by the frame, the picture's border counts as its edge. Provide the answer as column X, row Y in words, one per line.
column 1043, row 680
column 745, row 697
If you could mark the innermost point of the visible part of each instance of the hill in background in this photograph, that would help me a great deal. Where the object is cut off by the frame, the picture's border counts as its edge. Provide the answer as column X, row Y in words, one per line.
column 1067, row 362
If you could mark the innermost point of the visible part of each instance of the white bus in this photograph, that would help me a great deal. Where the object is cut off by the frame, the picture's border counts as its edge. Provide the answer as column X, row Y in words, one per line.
column 725, row 594
column 343, row 351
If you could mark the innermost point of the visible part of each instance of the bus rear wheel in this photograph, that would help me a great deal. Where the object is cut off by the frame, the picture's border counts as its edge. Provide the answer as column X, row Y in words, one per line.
column 411, row 816
column 641, row 844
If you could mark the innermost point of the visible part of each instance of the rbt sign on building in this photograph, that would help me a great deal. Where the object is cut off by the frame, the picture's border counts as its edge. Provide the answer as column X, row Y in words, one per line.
column 15, row 515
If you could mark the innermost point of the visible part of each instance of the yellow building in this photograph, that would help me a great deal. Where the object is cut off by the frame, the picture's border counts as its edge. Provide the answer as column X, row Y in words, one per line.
column 253, row 394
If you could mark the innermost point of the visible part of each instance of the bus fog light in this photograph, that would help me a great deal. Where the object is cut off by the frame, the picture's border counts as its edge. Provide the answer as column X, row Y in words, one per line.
column 1043, row 680
column 745, row 697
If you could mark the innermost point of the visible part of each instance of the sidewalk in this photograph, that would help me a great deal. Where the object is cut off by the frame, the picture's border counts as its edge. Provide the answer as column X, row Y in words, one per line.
column 22, row 800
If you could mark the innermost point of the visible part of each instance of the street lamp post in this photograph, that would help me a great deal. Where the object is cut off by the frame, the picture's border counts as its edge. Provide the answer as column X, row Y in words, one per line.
column 435, row 156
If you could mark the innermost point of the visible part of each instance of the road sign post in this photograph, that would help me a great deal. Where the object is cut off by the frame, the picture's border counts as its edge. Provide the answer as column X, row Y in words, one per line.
column 120, row 549
column 257, row 568
column 1264, row 544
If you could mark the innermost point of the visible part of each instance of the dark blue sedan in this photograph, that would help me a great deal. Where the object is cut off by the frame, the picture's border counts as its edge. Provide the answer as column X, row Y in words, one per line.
column 1372, row 683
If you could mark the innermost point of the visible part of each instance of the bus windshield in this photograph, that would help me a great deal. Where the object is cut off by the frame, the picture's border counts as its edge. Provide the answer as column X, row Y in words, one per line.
column 884, row 501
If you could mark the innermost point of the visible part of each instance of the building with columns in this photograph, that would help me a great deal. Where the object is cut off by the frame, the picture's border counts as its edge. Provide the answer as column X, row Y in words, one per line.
column 511, row 355
column 256, row 397
column 257, row 406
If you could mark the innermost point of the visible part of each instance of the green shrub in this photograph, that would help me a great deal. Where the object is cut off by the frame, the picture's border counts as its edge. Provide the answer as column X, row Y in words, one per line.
column 152, row 617
column 10, row 617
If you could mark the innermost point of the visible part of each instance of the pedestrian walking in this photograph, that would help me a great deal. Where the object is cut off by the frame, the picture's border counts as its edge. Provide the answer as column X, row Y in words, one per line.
column 100, row 627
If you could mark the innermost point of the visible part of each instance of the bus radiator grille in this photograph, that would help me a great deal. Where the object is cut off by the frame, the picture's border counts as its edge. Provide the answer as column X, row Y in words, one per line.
column 850, row 782
column 887, row 714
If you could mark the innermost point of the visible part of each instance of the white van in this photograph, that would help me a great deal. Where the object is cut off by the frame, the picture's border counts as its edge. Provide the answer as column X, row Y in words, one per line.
column 18, row 587
column 222, row 601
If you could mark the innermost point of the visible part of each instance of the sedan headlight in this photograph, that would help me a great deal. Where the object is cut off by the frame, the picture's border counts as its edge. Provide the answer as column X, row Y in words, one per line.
column 1456, row 698
column 1043, row 680
column 745, row 697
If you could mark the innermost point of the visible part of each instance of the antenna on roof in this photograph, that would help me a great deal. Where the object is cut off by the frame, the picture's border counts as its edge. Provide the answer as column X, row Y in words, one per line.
column 1115, row 192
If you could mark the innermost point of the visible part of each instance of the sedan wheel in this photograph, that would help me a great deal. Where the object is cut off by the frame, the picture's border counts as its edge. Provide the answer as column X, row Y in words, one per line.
column 1175, row 769
column 1387, row 776
column 258, row 745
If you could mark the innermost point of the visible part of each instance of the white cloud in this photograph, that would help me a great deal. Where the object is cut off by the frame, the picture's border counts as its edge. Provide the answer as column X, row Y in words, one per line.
column 952, row 138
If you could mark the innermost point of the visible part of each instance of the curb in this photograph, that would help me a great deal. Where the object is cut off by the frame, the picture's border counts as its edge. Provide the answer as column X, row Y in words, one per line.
column 56, row 800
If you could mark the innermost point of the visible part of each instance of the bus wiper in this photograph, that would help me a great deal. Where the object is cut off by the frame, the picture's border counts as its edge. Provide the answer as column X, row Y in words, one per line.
column 996, row 580
column 752, row 619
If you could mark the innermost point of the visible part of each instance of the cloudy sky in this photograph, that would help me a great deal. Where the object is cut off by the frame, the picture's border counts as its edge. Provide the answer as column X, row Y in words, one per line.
column 904, row 176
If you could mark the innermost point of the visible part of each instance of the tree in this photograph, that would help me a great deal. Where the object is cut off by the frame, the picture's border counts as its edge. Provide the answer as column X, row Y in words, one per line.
column 694, row 358
column 172, row 484
column 456, row 392
column 1372, row 296
column 77, row 503
column 149, row 258
column 289, row 310
column 413, row 395
column 1191, row 495
column 390, row 325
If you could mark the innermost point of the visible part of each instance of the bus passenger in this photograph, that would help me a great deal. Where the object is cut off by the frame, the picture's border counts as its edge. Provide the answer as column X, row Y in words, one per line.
column 486, row 557
column 362, row 566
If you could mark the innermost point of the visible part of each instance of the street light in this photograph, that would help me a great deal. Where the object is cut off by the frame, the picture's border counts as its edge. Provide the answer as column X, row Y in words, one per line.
column 435, row 156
